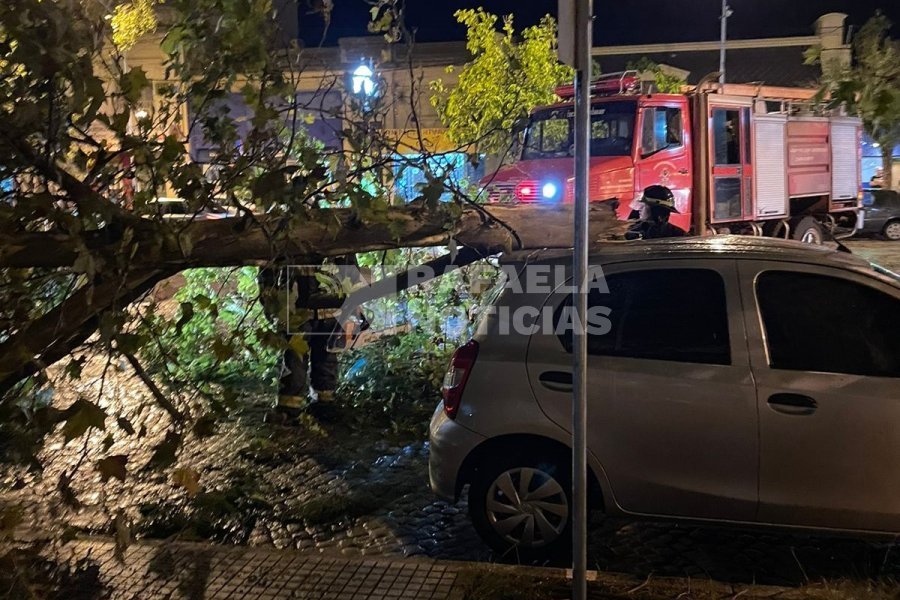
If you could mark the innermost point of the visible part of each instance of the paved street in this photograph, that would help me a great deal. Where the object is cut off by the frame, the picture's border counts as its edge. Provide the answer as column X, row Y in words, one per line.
column 882, row 252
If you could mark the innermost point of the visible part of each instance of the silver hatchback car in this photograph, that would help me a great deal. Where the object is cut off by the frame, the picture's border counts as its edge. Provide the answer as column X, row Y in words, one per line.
column 735, row 380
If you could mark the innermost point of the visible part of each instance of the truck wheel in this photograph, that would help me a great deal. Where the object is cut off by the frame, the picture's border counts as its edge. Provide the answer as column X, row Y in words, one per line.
column 520, row 506
column 892, row 231
column 809, row 231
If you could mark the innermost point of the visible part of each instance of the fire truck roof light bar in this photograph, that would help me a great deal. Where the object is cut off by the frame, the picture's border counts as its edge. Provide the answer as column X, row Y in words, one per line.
column 609, row 84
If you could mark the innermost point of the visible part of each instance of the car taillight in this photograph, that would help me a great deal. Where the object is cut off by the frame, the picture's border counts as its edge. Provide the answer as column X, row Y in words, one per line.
column 457, row 375
column 527, row 191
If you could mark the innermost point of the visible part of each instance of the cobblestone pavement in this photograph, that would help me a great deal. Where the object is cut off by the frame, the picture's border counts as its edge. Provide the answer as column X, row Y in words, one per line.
column 358, row 496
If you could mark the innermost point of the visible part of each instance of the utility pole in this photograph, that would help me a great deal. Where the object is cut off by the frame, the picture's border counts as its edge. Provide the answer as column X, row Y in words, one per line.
column 575, row 39
column 723, row 18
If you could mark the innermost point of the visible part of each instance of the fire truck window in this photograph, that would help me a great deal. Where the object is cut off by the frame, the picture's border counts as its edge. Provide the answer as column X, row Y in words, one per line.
column 599, row 130
column 727, row 198
column 550, row 134
column 549, row 137
column 726, row 136
column 661, row 129
column 857, row 331
column 691, row 325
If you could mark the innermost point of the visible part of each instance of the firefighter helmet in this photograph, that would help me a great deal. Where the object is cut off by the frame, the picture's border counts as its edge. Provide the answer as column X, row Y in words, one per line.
column 659, row 195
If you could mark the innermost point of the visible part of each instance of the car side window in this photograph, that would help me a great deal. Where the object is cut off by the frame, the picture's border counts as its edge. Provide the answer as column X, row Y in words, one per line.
column 661, row 314
column 854, row 329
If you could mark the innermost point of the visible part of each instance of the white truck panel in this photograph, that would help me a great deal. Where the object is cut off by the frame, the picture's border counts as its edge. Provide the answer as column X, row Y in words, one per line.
column 769, row 160
column 844, row 158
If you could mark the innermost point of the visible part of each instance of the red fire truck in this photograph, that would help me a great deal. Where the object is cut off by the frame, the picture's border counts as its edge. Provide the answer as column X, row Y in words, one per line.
column 739, row 158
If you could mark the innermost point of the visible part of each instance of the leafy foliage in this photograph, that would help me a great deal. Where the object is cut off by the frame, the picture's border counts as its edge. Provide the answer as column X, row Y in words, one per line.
column 92, row 140
column 507, row 77
column 666, row 82
column 220, row 333
column 870, row 86
column 395, row 380
column 131, row 21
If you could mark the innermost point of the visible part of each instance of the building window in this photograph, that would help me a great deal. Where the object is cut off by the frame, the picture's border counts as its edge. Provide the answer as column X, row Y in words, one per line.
column 453, row 167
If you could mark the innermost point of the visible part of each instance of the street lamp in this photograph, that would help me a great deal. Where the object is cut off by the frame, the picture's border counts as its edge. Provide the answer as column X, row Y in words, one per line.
column 363, row 81
column 726, row 12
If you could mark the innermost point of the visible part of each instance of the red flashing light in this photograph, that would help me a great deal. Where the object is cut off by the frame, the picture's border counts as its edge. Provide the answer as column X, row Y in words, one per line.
column 526, row 191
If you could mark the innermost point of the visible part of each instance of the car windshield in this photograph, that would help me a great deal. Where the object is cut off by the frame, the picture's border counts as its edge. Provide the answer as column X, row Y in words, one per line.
column 550, row 133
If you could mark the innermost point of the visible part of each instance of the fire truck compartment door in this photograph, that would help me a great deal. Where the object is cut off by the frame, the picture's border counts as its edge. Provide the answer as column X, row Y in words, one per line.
column 770, row 158
column 845, row 177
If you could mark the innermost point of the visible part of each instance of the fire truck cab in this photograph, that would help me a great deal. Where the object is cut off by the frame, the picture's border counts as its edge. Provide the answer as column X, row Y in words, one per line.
column 743, row 159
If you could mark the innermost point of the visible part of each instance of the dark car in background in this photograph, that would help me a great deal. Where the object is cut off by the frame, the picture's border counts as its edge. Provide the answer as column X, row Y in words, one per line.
column 881, row 213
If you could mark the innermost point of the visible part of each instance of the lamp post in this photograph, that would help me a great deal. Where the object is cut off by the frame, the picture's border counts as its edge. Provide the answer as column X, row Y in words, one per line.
column 726, row 12
column 362, row 82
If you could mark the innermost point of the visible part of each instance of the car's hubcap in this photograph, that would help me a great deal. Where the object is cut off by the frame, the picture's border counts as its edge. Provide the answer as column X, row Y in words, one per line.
column 527, row 507
column 811, row 236
column 892, row 231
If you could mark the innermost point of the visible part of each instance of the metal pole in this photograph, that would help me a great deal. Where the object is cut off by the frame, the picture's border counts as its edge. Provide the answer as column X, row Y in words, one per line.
column 583, row 39
column 723, row 26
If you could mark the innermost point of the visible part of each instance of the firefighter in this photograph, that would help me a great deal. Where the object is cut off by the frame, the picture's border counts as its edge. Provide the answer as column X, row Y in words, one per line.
column 657, row 203
column 309, row 370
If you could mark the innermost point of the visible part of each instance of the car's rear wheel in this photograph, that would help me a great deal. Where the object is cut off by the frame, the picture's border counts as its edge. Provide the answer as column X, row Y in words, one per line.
column 892, row 231
column 809, row 231
column 521, row 506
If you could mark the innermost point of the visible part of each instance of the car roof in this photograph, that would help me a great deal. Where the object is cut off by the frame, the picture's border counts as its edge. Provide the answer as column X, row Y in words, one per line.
column 718, row 246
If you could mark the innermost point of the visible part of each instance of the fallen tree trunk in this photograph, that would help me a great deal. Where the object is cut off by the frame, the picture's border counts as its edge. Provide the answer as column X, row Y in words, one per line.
column 153, row 254
column 237, row 240
column 58, row 332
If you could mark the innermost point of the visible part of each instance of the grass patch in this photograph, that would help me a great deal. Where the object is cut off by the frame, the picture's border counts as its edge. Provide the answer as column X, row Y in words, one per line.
column 486, row 583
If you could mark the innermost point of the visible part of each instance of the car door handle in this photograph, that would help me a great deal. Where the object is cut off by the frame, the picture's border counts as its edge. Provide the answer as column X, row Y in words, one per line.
column 793, row 404
column 558, row 381
column 682, row 171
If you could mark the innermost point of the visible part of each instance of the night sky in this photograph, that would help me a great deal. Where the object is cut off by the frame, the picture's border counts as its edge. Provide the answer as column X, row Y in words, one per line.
column 619, row 22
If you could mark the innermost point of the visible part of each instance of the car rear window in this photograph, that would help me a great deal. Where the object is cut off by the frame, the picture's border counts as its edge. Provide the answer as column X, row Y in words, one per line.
column 828, row 324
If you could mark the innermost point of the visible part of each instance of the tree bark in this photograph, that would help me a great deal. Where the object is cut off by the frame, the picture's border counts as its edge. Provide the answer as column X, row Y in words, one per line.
column 60, row 331
column 237, row 241
column 234, row 241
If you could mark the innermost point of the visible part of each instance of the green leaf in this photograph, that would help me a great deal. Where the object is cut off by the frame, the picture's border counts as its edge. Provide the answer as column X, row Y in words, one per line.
column 133, row 84
column 186, row 478
column 125, row 425
column 299, row 345
column 165, row 453
column 113, row 466
column 81, row 416
column 74, row 368
column 10, row 518
column 129, row 343
column 205, row 426
column 187, row 313
column 222, row 350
